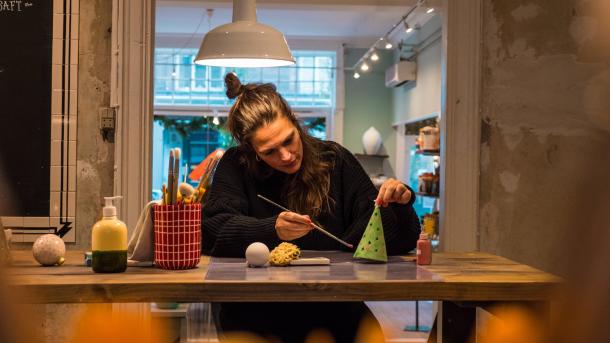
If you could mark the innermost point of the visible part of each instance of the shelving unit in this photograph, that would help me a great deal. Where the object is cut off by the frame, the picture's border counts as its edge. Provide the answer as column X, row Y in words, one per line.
column 429, row 195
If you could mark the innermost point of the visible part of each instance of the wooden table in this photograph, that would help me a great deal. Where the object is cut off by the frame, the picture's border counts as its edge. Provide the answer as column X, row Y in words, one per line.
column 461, row 281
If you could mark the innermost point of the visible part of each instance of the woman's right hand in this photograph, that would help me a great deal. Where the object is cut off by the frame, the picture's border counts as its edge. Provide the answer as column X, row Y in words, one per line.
column 290, row 226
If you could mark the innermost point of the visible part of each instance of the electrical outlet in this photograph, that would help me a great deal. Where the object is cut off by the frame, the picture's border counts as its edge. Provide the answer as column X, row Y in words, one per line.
column 106, row 118
column 107, row 123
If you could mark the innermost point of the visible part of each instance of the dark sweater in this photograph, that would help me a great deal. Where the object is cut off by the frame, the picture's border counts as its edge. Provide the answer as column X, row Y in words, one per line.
column 235, row 217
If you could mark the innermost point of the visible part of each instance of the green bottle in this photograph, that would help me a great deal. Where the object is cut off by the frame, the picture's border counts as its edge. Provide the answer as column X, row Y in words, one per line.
column 109, row 241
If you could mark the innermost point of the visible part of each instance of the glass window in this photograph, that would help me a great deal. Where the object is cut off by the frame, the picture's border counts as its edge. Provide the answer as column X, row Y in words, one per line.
column 196, row 136
column 180, row 82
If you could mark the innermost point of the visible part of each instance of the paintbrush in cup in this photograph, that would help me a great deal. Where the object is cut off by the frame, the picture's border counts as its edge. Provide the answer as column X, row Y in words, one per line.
column 313, row 224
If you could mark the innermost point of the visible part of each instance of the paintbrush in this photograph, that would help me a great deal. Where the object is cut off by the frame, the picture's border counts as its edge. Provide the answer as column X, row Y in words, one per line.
column 176, row 175
column 170, row 178
column 313, row 224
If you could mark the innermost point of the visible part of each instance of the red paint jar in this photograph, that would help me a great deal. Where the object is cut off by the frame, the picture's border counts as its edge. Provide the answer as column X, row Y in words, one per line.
column 424, row 250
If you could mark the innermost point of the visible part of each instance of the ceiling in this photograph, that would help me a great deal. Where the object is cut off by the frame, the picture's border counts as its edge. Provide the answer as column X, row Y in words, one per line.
column 355, row 22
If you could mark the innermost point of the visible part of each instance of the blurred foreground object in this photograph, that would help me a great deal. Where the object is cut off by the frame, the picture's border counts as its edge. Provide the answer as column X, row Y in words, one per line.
column 4, row 245
column 512, row 324
column 102, row 325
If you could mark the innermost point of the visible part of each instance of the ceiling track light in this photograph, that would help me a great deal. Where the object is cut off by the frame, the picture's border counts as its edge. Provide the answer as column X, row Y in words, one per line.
column 374, row 56
column 384, row 41
column 408, row 28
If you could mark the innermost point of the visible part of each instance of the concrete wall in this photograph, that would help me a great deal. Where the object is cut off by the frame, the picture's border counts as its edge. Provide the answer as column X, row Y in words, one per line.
column 545, row 157
column 368, row 102
column 422, row 96
column 95, row 157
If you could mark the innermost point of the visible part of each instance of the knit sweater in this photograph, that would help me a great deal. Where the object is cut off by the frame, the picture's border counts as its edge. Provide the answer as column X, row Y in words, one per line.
column 234, row 217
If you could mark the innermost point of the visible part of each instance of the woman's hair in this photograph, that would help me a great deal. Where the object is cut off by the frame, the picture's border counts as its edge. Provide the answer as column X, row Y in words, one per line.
column 257, row 105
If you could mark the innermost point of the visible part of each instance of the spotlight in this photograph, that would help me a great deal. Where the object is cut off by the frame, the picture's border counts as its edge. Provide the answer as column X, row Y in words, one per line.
column 374, row 57
column 356, row 75
column 430, row 10
column 364, row 66
column 408, row 28
column 388, row 45
column 216, row 121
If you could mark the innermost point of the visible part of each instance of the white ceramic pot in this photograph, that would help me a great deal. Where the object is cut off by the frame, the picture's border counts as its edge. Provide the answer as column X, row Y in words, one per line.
column 371, row 140
column 49, row 250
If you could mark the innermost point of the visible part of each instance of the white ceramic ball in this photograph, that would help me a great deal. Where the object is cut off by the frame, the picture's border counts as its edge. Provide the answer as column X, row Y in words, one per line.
column 257, row 254
column 49, row 250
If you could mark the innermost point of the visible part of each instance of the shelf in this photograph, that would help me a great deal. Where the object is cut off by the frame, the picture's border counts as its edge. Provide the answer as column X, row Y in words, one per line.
column 428, row 152
column 427, row 195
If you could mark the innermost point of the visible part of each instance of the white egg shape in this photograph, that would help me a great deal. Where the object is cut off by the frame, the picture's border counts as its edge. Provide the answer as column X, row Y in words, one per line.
column 257, row 254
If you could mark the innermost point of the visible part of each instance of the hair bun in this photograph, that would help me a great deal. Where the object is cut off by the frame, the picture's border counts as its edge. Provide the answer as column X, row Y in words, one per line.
column 234, row 86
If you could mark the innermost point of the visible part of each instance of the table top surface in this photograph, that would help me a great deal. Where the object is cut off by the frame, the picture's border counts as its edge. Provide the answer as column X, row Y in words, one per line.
column 472, row 276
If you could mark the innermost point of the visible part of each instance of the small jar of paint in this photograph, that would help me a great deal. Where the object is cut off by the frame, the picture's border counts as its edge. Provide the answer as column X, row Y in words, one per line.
column 424, row 250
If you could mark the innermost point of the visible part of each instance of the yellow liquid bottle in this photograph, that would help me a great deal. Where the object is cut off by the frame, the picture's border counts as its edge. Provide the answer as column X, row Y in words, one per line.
column 109, row 241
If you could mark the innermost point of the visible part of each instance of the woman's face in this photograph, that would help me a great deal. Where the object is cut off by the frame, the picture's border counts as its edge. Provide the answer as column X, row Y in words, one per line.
column 279, row 145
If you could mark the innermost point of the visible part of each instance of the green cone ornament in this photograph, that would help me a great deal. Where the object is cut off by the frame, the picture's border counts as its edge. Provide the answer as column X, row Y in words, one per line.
column 372, row 244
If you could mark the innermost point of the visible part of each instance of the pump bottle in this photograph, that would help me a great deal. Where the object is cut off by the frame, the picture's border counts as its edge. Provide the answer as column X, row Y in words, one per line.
column 109, row 241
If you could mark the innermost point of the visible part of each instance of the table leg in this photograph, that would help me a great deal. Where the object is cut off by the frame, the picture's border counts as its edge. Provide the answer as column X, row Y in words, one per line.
column 456, row 322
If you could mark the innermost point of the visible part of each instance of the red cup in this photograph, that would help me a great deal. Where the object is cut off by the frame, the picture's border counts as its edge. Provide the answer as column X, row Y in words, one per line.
column 177, row 236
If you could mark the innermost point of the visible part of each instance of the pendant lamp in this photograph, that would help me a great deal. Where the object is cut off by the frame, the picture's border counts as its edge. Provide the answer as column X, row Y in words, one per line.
column 244, row 42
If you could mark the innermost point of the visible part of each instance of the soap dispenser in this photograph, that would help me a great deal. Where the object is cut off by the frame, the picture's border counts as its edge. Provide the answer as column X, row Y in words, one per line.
column 109, row 241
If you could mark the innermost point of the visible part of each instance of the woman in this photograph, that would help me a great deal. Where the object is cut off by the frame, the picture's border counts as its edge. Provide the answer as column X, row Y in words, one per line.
column 320, row 181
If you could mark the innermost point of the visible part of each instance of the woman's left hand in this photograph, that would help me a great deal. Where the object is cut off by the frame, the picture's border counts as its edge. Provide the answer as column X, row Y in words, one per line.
column 393, row 190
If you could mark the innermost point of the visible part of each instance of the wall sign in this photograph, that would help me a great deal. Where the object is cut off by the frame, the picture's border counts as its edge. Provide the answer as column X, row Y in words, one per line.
column 38, row 116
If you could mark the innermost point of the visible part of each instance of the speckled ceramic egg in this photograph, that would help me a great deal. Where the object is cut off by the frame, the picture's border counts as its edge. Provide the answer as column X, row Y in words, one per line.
column 257, row 254
column 49, row 250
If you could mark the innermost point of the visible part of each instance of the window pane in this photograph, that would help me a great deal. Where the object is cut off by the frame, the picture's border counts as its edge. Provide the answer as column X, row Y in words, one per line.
column 288, row 74
column 217, row 73
column 305, row 61
column 305, row 74
column 270, row 75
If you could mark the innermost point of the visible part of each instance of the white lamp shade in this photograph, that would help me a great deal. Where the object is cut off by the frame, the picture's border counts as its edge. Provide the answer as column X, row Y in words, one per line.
column 244, row 42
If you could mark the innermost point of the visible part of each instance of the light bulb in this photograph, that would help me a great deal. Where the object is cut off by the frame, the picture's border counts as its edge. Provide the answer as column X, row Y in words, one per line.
column 374, row 57
column 409, row 29
column 430, row 10
column 388, row 45
column 216, row 121
column 356, row 75
column 364, row 66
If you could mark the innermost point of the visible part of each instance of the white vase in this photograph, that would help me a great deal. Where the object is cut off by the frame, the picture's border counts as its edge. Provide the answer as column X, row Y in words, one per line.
column 371, row 140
